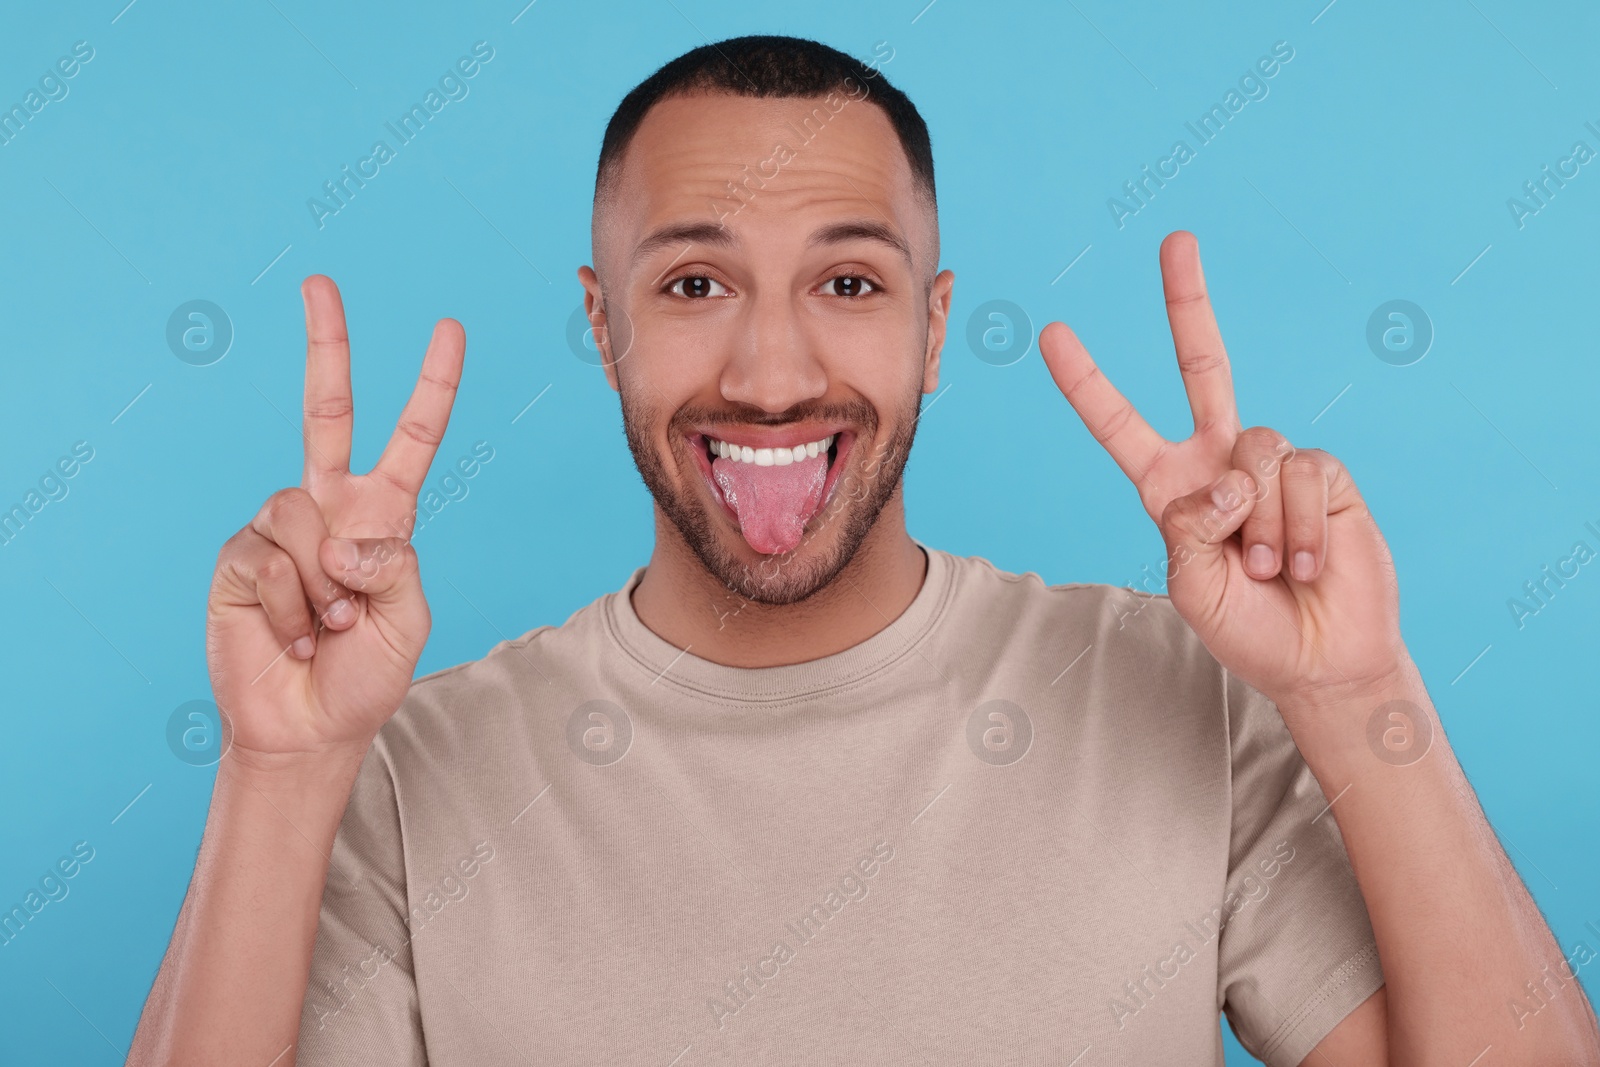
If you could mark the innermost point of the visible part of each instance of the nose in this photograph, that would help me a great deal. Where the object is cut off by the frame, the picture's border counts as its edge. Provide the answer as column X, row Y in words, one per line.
column 774, row 365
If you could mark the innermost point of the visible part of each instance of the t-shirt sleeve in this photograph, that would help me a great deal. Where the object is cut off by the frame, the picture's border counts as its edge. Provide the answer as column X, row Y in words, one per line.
column 1296, row 953
column 361, row 1003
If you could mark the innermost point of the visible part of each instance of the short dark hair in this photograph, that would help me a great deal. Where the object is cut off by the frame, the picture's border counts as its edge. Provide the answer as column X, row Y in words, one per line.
column 767, row 65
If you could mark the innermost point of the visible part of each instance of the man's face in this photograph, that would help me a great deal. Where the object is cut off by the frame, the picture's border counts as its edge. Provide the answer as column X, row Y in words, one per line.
column 785, row 317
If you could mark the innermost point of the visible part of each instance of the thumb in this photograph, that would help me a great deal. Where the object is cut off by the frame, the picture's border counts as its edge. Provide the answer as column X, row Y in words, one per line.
column 1197, row 526
column 384, row 568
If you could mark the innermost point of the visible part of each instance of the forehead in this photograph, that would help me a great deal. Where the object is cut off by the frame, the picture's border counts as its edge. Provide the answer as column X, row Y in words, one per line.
column 792, row 163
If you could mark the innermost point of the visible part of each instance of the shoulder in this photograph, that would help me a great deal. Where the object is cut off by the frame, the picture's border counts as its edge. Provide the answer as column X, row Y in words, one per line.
column 460, row 715
column 1114, row 673
column 1119, row 663
column 1134, row 624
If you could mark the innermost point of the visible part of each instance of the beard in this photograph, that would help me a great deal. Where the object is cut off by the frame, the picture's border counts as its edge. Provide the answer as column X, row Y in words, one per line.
column 859, row 495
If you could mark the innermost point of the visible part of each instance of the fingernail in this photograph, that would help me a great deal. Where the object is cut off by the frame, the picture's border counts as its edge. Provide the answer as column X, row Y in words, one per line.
column 347, row 554
column 1227, row 498
column 340, row 613
column 1260, row 559
column 301, row 648
column 1304, row 564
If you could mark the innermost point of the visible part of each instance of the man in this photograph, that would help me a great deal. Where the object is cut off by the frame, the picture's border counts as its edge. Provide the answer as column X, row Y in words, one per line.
column 806, row 790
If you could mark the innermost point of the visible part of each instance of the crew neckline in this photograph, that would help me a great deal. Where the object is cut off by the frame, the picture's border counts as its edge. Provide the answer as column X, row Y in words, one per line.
column 682, row 670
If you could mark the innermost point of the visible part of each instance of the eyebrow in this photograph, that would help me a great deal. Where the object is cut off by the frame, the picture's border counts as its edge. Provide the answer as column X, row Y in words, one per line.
column 717, row 235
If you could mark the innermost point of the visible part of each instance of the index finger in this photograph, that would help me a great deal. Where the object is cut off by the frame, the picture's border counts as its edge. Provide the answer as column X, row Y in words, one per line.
column 1202, row 360
column 1111, row 418
column 328, row 413
column 409, row 453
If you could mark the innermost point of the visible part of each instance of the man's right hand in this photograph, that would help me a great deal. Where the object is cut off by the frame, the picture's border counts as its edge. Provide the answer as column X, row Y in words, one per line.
column 316, row 616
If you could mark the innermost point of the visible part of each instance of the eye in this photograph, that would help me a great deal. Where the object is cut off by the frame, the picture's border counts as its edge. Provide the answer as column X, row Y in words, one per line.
column 697, row 286
column 850, row 285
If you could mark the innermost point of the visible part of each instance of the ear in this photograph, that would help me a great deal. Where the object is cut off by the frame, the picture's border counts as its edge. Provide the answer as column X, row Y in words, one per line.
column 594, row 308
column 938, row 319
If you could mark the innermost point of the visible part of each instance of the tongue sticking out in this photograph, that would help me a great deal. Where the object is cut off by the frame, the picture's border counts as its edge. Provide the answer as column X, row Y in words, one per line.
column 773, row 503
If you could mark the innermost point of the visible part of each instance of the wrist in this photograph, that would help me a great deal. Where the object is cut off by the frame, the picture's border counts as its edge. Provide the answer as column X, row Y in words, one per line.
column 1399, row 679
column 282, row 805
column 308, row 771
column 1380, row 725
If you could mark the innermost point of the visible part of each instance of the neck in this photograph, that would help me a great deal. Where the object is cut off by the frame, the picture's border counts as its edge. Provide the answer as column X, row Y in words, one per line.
column 683, row 603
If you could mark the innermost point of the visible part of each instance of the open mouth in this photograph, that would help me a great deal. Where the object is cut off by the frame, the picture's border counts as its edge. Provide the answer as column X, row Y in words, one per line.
column 772, row 485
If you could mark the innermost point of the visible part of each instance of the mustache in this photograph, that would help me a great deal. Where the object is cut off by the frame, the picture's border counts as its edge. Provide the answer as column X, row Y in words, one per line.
column 856, row 412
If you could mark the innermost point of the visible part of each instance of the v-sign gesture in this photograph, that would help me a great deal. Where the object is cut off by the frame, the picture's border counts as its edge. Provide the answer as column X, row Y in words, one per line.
column 1273, row 558
column 316, row 616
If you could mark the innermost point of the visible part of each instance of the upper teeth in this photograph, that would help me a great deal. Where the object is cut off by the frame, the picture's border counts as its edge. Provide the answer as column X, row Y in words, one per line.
column 769, row 457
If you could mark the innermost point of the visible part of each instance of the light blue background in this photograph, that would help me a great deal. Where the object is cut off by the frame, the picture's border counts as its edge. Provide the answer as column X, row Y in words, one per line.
column 179, row 165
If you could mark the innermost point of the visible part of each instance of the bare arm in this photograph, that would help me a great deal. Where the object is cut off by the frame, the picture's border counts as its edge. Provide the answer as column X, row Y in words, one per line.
column 304, row 704
column 1459, row 936
column 235, row 974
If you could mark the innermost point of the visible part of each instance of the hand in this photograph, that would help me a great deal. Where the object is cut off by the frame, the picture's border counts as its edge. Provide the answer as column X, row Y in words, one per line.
column 1273, row 558
column 334, row 551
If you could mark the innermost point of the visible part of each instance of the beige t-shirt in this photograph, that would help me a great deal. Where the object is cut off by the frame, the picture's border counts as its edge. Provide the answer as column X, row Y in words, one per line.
column 1023, row 824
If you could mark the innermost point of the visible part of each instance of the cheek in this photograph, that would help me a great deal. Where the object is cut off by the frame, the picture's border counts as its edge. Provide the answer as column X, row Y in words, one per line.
column 676, row 362
column 881, row 359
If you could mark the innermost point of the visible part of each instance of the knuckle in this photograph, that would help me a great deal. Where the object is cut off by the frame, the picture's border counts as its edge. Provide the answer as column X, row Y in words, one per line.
column 1083, row 380
column 1178, row 515
column 419, row 432
column 276, row 569
column 1303, row 467
column 284, row 504
column 1262, row 450
column 439, row 382
column 1264, row 438
column 1116, row 422
column 330, row 409
column 275, row 563
column 238, row 545
column 1202, row 362
column 1323, row 459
